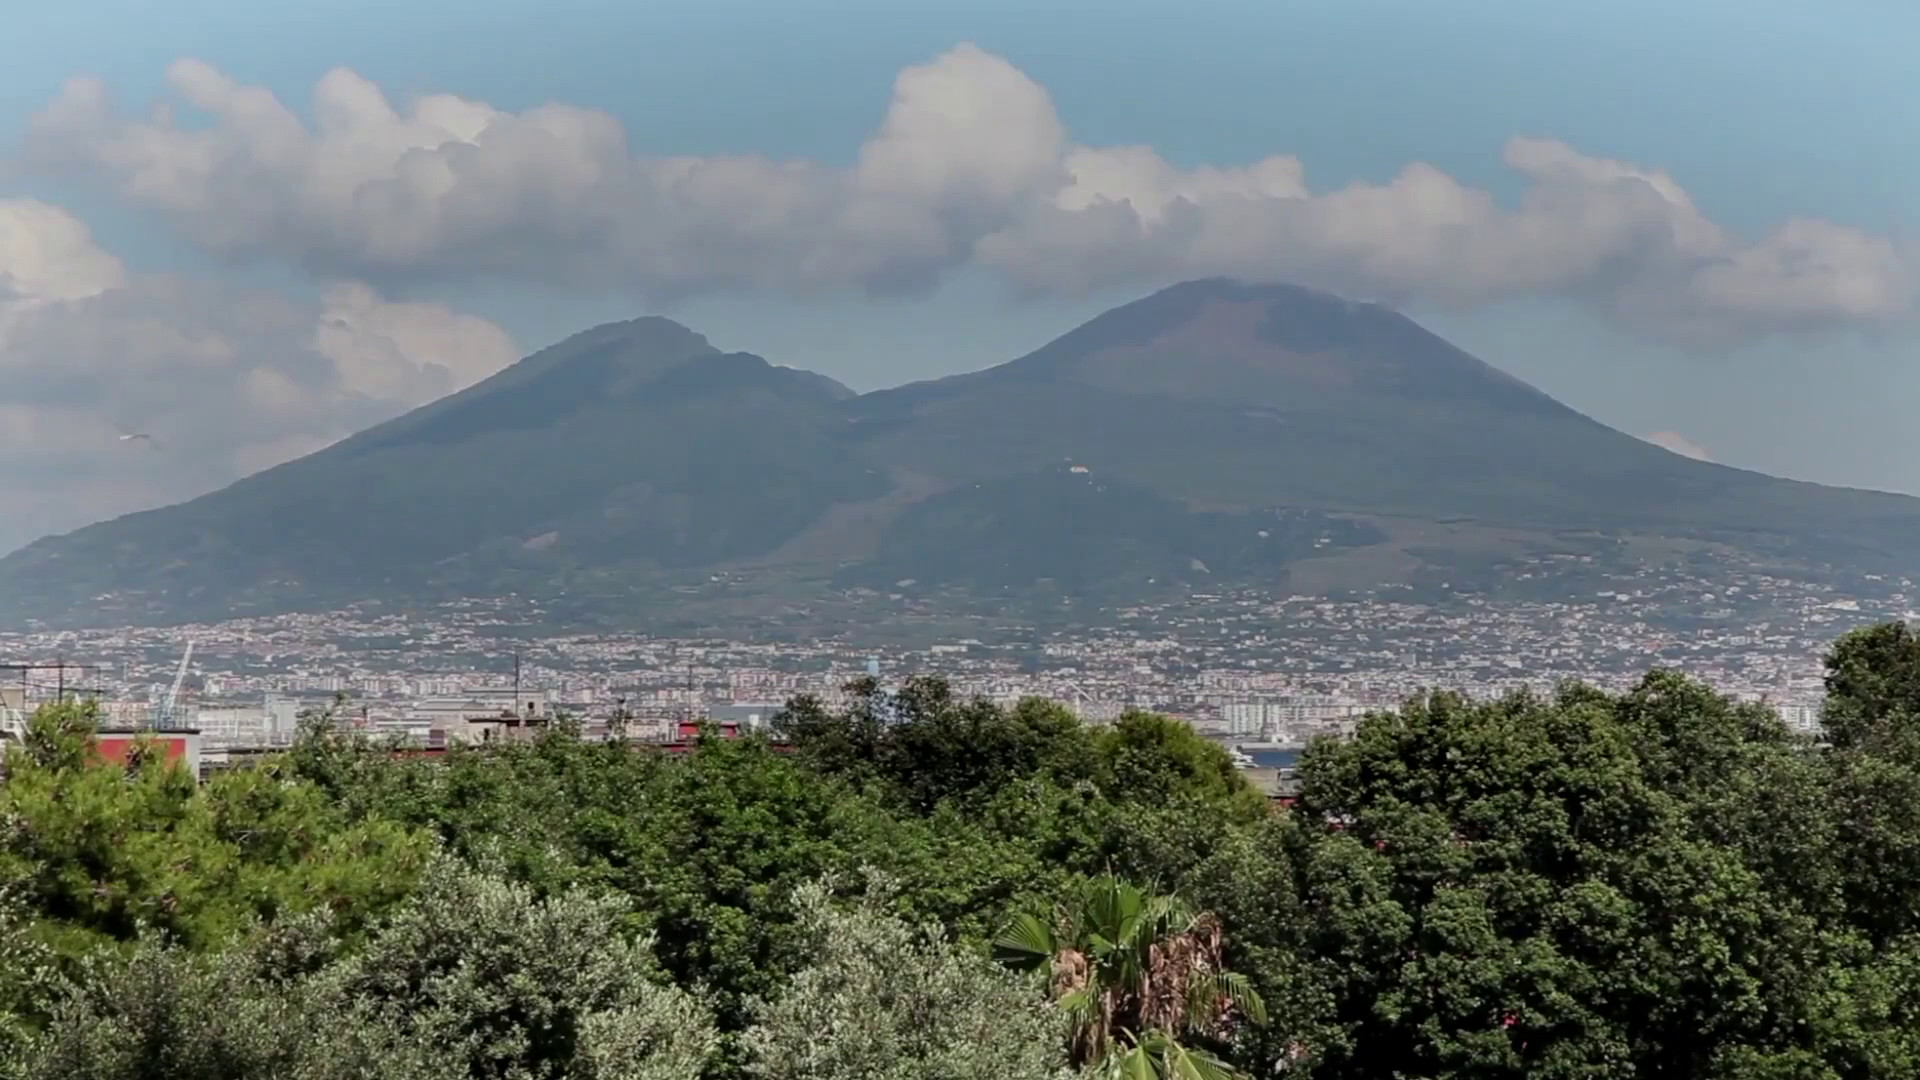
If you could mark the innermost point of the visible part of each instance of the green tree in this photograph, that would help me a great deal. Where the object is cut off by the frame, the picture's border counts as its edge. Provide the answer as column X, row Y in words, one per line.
column 513, row 985
column 928, row 746
column 1148, row 759
column 98, row 852
column 879, row 997
column 474, row 979
column 1872, row 719
column 1576, row 886
column 30, row 979
column 168, row 1013
column 1873, row 690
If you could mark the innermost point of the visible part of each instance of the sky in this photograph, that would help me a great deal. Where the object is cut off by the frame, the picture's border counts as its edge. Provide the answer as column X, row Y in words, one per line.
column 248, row 230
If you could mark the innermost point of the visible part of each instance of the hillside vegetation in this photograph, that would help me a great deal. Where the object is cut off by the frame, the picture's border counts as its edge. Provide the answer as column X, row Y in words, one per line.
column 1660, row 883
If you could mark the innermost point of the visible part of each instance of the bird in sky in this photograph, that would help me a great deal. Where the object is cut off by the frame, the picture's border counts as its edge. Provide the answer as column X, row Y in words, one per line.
column 132, row 437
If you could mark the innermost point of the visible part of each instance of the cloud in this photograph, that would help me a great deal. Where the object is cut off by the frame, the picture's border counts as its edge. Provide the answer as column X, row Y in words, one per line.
column 226, row 380
column 50, row 254
column 1679, row 444
column 971, row 164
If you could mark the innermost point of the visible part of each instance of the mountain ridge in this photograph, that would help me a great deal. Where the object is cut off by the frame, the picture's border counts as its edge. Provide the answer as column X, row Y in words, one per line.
column 1214, row 430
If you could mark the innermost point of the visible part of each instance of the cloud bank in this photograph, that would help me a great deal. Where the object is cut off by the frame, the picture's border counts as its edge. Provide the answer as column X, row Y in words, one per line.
column 971, row 165
column 226, row 381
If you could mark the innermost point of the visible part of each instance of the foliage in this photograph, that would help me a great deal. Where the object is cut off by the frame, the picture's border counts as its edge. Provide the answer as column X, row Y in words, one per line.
column 882, row 998
column 167, row 1013
column 1134, row 975
column 98, row 853
column 513, row 985
column 1873, row 690
column 1661, row 882
column 1587, row 885
column 30, row 980
column 472, row 978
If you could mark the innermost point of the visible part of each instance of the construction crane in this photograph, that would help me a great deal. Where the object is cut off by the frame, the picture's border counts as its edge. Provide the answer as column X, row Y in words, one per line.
column 164, row 716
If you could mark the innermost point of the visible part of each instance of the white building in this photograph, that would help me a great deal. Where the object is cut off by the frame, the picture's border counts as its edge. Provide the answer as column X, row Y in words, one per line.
column 274, row 722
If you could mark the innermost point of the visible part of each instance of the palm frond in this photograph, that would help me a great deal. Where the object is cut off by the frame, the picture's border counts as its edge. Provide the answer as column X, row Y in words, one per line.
column 1027, row 944
column 1235, row 988
column 1133, row 1063
column 1112, row 906
column 1185, row 1064
column 1160, row 1057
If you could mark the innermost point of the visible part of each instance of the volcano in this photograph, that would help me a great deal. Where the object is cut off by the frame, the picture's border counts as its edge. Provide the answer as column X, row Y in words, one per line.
column 1214, row 431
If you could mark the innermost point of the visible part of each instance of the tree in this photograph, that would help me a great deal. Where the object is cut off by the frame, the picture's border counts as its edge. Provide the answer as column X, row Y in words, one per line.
column 1134, row 975
column 879, row 997
column 513, row 985
column 927, row 746
column 1873, row 690
column 474, row 978
column 168, row 1013
column 30, row 982
column 1148, row 758
column 1872, row 720
column 1577, row 886
column 100, row 853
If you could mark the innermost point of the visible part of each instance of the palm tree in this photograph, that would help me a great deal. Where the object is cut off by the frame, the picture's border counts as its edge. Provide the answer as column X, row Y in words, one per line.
column 1135, row 973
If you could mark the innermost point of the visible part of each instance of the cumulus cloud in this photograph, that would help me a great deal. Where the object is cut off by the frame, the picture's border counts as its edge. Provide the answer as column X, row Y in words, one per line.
column 227, row 381
column 1679, row 444
column 971, row 164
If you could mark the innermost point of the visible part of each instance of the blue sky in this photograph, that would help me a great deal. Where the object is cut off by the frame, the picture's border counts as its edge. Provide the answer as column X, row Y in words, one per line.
column 1762, row 111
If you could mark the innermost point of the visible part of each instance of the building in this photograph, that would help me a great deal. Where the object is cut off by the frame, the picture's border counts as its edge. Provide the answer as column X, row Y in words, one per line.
column 177, row 744
column 274, row 722
column 747, row 716
column 476, row 715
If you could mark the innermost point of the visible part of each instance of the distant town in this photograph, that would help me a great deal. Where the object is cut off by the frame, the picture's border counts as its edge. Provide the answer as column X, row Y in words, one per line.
column 1252, row 669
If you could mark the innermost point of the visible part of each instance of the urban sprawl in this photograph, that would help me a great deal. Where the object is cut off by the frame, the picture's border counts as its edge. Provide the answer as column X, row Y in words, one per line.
column 1249, row 668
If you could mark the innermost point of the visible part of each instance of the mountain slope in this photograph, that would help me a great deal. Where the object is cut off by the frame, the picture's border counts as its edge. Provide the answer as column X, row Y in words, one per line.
column 1241, row 396
column 1211, row 431
column 637, row 442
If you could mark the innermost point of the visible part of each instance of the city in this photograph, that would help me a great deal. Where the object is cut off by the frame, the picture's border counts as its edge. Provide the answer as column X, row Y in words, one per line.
column 1242, row 666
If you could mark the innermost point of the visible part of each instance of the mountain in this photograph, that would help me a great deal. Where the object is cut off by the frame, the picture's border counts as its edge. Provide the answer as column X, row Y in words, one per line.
column 1214, row 431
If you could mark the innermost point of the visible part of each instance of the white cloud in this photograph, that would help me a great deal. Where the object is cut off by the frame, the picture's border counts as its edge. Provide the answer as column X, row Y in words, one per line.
column 405, row 352
column 1679, row 444
column 227, row 381
column 47, row 252
column 971, row 164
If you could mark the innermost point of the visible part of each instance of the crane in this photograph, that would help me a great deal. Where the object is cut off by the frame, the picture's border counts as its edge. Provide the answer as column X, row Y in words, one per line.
column 165, row 714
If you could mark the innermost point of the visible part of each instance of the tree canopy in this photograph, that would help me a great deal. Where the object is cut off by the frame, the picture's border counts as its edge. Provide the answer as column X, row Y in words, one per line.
column 1657, row 883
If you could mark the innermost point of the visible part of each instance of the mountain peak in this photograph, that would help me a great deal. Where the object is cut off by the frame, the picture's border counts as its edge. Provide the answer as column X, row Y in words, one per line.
column 604, row 363
column 650, row 333
column 1220, row 339
column 1237, row 290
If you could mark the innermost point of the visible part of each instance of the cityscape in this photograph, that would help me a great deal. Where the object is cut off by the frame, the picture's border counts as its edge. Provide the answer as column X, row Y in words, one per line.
column 1245, row 667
